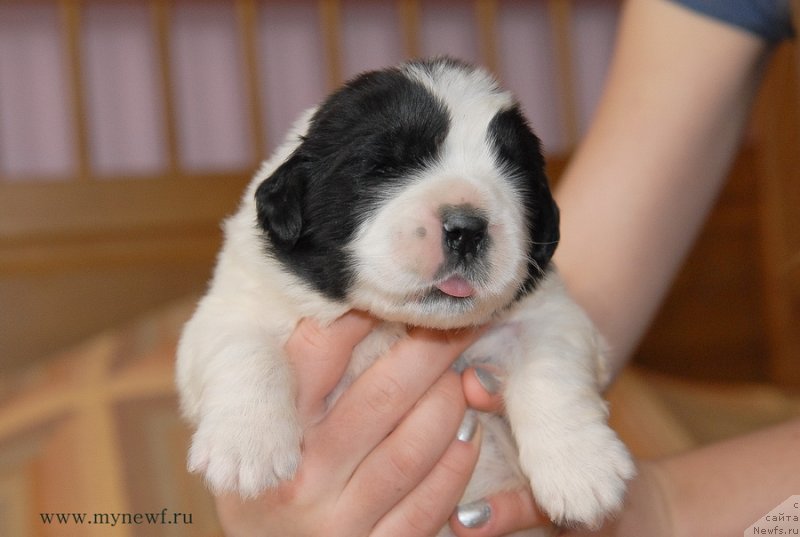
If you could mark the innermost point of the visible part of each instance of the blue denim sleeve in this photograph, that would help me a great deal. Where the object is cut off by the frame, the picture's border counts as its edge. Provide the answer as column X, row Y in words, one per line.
column 769, row 19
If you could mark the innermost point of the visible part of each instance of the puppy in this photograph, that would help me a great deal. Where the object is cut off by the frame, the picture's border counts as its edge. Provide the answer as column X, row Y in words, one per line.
column 418, row 194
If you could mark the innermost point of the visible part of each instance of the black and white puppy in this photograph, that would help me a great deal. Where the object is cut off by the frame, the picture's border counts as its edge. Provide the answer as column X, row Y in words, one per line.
column 418, row 194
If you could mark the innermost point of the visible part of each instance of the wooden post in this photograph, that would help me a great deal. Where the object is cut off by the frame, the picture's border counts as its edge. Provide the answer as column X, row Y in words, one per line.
column 777, row 120
column 486, row 15
column 160, row 10
column 331, row 23
column 71, row 31
column 247, row 15
column 409, row 27
column 561, row 23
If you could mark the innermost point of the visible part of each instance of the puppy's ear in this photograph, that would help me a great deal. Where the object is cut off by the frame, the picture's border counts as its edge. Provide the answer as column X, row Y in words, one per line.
column 519, row 149
column 279, row 203
column 545, row 229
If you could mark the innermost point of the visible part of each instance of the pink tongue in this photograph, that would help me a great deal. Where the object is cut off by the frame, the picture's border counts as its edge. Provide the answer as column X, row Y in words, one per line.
column 456, row 286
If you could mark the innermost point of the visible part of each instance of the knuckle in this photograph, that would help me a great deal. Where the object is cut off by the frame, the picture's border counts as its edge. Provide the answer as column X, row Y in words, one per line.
column 407, row 462
column 383, row 396
column 422, row 518
column 458, row 467
column 448, row 388
column 311, row 336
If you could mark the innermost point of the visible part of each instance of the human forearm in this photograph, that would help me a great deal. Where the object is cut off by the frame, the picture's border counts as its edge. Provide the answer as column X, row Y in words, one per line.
column 640, row 185
column 715, row 491
column 723, row 488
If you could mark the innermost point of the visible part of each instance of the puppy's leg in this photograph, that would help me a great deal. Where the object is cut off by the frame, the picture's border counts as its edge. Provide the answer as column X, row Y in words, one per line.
column 236, row 387
column 575, row 462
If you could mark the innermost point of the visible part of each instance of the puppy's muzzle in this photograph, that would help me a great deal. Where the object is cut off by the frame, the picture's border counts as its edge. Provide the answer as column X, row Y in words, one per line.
column 464, row 234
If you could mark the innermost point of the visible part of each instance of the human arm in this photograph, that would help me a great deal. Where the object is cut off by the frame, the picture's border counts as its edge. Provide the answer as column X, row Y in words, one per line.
column 653, row 161
column 385, row 461
column 723, row 488
column 715, row 491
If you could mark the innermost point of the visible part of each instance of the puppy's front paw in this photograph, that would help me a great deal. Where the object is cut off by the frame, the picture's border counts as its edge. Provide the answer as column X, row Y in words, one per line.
column 580, row 477
column 244, row 454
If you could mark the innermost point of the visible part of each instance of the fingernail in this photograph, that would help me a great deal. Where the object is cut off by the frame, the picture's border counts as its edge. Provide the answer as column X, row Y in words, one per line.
column 490, row 382
column 468, row 426
column 474, row 514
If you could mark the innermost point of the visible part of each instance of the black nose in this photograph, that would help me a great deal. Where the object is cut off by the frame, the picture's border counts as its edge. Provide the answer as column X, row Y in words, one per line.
column 464, row 234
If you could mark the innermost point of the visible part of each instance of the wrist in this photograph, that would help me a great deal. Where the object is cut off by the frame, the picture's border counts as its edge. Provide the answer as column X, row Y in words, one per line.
column 658, row 483
column 647, row 508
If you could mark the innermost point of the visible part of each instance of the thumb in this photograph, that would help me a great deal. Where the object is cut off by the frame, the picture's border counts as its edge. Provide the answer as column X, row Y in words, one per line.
column 319, row 355
column 500, row 514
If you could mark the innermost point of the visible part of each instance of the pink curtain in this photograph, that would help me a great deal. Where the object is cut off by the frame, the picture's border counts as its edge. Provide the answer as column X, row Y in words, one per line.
column 124, row 102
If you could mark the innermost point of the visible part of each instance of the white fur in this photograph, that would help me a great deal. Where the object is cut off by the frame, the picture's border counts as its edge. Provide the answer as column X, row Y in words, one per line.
column 237, row 388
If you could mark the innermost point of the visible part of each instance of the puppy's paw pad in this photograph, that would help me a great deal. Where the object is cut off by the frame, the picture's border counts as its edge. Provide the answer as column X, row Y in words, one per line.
column 583, row 480
column 244, row 457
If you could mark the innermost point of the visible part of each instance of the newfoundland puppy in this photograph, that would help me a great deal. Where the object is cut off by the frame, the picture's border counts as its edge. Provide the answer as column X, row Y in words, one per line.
column 417, row 194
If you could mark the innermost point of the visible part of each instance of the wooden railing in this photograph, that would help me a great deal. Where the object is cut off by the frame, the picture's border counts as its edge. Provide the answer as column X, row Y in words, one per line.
column 107, row 244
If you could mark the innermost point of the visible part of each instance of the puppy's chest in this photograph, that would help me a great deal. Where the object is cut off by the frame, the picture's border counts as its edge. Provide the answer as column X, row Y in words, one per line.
column 499, row 346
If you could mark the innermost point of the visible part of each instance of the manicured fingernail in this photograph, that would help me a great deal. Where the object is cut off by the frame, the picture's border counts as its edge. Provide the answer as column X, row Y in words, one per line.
column 468, row 426
column 474, row 514
column 490, row 382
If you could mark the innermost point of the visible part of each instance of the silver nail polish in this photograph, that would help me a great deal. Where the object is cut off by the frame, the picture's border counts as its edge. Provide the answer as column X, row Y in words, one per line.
column 488, row 380
column 474, row 514
column 468, row 426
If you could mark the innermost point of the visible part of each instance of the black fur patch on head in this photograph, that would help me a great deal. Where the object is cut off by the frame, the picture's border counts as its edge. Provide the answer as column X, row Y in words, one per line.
column 519, row 152
column 365, row 140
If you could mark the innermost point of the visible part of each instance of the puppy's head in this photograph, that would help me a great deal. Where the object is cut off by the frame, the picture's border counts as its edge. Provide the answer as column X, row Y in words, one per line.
column 417, row 193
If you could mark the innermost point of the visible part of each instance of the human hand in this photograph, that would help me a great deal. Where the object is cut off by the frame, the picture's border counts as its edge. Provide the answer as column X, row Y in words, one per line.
column 645, row 510
column 385, row 460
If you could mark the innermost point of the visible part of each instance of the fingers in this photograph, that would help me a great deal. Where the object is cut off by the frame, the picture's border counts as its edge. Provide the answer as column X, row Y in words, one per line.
column 425, row 510
column 482, row 388
column 404, row 458
column 319, row 356
column 373, row 406
column 507, row 512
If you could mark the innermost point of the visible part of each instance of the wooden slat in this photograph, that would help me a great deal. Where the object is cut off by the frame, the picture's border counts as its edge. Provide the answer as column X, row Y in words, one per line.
column 95, row 432
column 778, row 122
column 247, row 17
column 56, row 310
column 409, row 11
column 486, row 15
column 796, row 19
column 146, row 381
column 71, row 31
column 33, row 407
column 561, row 22
column 331, row 26
column 160, row 16
column 52, row 255
column 114, row 207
